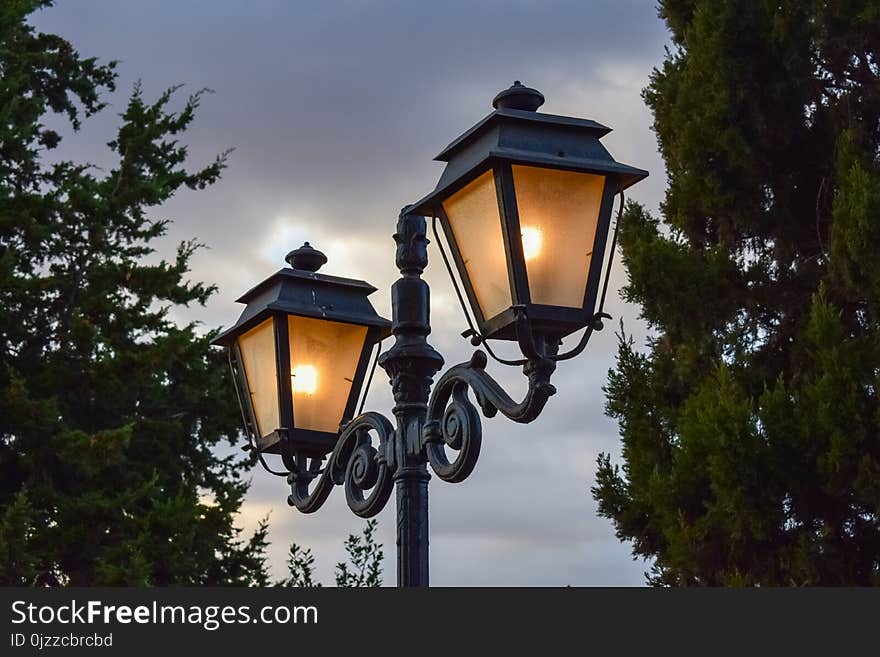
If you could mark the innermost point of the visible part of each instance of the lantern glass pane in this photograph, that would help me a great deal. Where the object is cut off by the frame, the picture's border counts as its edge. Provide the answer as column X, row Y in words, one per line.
column 476, row 226
column 324, row 357
column 257, row 348
column 558, row 217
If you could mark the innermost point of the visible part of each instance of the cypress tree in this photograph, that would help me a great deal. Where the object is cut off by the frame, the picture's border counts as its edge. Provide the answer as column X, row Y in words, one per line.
column 110, row 413
column 749, row 423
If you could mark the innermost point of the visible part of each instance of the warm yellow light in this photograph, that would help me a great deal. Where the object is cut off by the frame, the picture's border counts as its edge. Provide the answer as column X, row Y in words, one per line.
column 564, row 207
column 305, row 379
column 531, row 240
column 475, row 221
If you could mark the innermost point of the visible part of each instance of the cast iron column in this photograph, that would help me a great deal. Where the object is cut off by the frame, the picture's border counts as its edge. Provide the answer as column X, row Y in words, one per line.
column 411, row 364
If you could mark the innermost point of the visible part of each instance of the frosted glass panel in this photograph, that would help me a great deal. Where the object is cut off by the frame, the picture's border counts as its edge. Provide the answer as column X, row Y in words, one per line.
column 323, row 359
column 558, row 215
column 257, row 348
column 473, row 215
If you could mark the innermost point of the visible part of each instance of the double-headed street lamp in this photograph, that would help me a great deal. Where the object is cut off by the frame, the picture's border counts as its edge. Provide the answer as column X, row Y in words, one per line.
column 525, row 203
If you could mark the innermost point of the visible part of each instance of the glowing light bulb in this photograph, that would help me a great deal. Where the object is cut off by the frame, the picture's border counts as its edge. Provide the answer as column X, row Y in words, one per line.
column 305, row 379
column 531, row 241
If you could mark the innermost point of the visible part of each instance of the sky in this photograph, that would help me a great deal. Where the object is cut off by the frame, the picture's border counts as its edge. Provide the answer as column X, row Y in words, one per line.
column 335, row 110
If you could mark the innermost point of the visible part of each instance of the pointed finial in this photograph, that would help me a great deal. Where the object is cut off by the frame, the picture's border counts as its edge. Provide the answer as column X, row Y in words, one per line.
column 518, row 97
column 306, row 258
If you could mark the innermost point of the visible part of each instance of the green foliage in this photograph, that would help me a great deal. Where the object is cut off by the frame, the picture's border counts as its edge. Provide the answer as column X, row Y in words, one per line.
column 750, row 442
column 17, row 562
column 364, row 567
column 365, row 560
column 301, row 566
column 110, row 413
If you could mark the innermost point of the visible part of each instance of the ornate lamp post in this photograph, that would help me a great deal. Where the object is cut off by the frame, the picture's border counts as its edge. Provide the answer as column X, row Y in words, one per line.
column 525, row 203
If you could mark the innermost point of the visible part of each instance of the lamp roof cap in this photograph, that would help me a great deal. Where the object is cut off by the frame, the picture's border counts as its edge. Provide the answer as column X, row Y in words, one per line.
column 518, row 97
column 306, row 258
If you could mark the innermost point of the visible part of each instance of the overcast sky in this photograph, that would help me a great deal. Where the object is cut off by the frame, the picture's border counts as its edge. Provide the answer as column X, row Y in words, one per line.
column 335, row 110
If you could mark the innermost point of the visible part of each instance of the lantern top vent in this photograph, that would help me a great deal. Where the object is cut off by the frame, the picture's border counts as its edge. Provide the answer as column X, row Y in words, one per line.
column 306, row 258
column 519, row 97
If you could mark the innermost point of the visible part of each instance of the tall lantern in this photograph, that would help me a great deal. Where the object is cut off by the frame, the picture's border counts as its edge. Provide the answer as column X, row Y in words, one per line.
column 300, row 350
column 525, row 203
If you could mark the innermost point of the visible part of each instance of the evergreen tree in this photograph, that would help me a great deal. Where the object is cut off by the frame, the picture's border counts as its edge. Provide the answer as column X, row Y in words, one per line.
column 109, row 412
column 749, row 427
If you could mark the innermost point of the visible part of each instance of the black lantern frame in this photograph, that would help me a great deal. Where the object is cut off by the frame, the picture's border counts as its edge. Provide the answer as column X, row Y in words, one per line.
column 299, row 291
column 515, row 134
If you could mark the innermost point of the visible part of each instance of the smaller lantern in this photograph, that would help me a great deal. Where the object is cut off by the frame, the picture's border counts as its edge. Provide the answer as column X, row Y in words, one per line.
column 525, row 202
column 300, row 350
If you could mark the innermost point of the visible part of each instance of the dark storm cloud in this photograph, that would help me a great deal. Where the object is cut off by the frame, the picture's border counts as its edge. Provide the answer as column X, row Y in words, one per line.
column 336, row 110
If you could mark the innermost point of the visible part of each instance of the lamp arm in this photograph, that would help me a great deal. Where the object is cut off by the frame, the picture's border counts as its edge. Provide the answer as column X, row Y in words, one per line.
column 364, row 471
column 453, row 421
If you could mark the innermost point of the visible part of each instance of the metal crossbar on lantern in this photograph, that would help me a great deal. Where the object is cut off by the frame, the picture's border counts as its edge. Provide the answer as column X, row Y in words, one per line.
column 525, row 203
column 300, row 352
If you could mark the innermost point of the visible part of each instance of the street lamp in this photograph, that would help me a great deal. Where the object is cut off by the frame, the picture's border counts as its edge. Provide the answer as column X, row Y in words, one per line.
column 525, row 203
column 300, row 351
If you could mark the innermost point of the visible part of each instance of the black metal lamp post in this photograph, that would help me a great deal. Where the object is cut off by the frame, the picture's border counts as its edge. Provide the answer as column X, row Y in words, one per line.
column 525, row 203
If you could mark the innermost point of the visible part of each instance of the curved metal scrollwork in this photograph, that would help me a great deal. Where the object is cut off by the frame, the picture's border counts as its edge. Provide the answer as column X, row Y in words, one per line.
column 363, row 470
column 453, row 422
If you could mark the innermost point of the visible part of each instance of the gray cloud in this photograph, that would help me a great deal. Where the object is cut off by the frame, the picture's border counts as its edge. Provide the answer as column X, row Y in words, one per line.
column 336, row 110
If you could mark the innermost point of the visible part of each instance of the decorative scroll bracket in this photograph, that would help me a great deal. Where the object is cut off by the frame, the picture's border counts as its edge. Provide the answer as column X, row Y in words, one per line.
column 355, row 464
column 453, row 420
